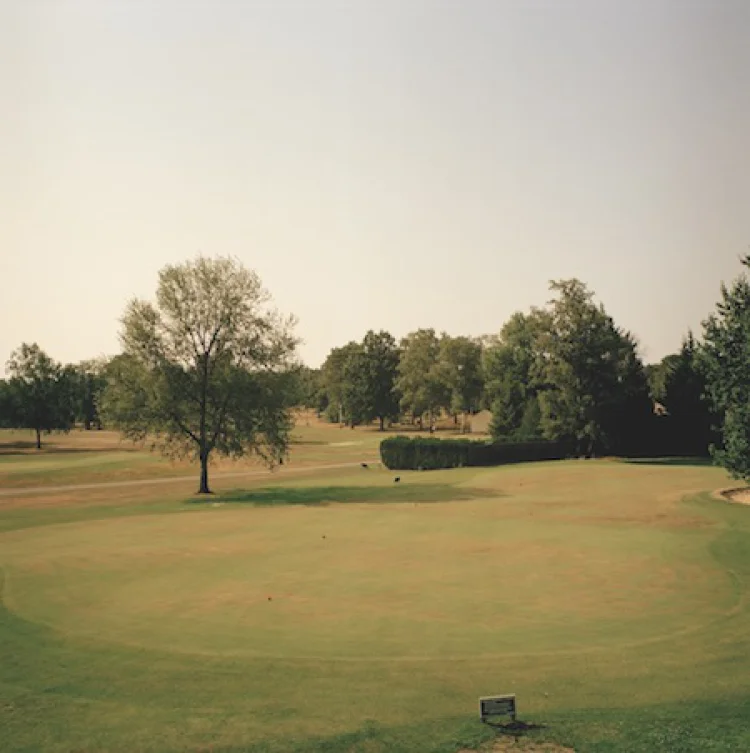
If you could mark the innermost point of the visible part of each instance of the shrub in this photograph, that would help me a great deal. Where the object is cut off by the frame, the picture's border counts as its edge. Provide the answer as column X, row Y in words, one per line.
column 421, row 453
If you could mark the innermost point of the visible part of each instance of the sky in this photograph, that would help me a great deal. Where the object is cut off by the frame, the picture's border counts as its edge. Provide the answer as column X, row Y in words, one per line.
column 382, row 164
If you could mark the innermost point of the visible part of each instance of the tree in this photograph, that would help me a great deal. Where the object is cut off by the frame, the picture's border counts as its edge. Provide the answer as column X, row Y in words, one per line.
column 310, row 392
column 461, row 369
column 593, row 390
column 208, row 368
column 679, row 385
column 509, row 364
column 334, row 382
column 725, row 362
column 87, row 379
column 371, row 377
column 420, row 379
column 7, row 406
column 40, row 392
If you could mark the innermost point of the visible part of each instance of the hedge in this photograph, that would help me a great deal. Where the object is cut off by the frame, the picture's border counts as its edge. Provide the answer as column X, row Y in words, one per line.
column 422, row 453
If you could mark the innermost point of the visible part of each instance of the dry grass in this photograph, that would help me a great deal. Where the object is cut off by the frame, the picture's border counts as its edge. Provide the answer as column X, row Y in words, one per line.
column 139, row 618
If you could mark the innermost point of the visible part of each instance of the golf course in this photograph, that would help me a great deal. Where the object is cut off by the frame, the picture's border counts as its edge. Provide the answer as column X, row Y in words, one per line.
column 325, row 607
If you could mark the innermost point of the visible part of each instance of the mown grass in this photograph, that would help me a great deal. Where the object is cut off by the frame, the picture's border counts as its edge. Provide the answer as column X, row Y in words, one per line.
column 139, row 619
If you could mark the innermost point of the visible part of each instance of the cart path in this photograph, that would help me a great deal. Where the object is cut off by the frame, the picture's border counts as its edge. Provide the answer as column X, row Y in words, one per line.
column 169, row 480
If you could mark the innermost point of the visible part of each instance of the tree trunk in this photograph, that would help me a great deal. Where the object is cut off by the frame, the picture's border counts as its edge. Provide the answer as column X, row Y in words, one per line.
column 204, row 474
column 38, row 439
column 382, row 423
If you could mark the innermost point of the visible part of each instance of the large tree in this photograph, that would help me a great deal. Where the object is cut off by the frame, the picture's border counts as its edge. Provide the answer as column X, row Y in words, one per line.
column 420, row 379
column 370, row 376
column 207, row 368
column 725, row 359
column 679, row 385
column 510, row 363
column 461, row 369
column 593, row 386
column 40, row 392
column 338, row 395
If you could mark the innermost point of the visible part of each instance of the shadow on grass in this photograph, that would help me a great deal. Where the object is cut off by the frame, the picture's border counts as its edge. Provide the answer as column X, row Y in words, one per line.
column 323, row 495
column 514, row 729
column 681, row 461
column 23, row 447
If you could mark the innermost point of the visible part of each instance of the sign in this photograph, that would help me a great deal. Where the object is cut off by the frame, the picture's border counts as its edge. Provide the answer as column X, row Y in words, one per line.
column 497, row 705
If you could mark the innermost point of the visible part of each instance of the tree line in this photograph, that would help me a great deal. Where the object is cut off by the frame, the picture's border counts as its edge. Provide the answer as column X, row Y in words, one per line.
column 210, row 367
column 562, row 372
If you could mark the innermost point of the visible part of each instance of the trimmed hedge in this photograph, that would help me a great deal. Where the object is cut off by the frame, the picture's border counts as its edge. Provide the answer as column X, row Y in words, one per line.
column 422, row 453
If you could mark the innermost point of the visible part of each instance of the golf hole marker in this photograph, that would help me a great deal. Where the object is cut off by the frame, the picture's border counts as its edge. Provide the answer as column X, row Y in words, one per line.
column 497, row 705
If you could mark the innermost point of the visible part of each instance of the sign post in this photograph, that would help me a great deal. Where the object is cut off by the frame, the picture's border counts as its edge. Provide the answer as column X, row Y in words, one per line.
column 497, row 705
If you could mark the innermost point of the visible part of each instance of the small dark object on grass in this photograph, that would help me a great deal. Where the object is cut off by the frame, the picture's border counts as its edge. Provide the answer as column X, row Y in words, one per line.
column 324, row 536
column 269, row 598
column 397, row 479
column 514, row 728
column 364, row 465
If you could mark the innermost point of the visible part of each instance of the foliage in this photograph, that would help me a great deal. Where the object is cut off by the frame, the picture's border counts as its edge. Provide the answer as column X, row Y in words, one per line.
column 7, row 405
column 334, row 382
column 461, row 371
column 510, row 388
column 39, row 394
column 594, row 392
column 725, row 362
column 678, row 383
column 310, row 392
column 430, row 453
column 207, row 369
column 420, row 379
column 369, row 376
column 87, row 382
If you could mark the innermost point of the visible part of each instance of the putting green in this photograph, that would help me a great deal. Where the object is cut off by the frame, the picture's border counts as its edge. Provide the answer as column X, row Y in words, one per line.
column 485, row 577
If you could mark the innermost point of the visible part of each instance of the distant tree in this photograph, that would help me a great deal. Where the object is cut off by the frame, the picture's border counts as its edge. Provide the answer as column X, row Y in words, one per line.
column 208, row 368
column 334, row 382
column 356, row 397
column 593, row 386
column 39, row 391
column 378, row 370
column 420, row 379
column 679, row 385
column 86, row 380
column 309, row 389
column 725, row 362
column 461, row 370
column 510, row 365
column 7, row 408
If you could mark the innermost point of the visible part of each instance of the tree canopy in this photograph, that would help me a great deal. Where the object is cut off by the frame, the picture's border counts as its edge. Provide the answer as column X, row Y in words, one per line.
column 725, row 362
column 39, row 394
column 593, row 390
column 461, row 370
column 207, row 368
column 420, row 380
column 510, row 365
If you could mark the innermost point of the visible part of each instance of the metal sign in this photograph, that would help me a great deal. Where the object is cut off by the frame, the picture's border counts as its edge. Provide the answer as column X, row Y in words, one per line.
column 497, row 705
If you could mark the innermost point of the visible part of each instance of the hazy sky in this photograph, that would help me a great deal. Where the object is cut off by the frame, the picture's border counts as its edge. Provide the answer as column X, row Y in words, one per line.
column 385, row 164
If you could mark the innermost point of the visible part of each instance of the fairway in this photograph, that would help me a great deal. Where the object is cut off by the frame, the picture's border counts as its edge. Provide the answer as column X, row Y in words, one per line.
column 151, row 620
column 478, row 577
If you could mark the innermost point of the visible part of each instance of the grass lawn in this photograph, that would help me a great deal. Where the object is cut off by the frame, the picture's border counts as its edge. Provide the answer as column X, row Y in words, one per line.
column 334, row 610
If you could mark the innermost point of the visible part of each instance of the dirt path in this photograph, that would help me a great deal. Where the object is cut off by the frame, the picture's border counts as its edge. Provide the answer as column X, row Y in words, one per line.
column 169, row 480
